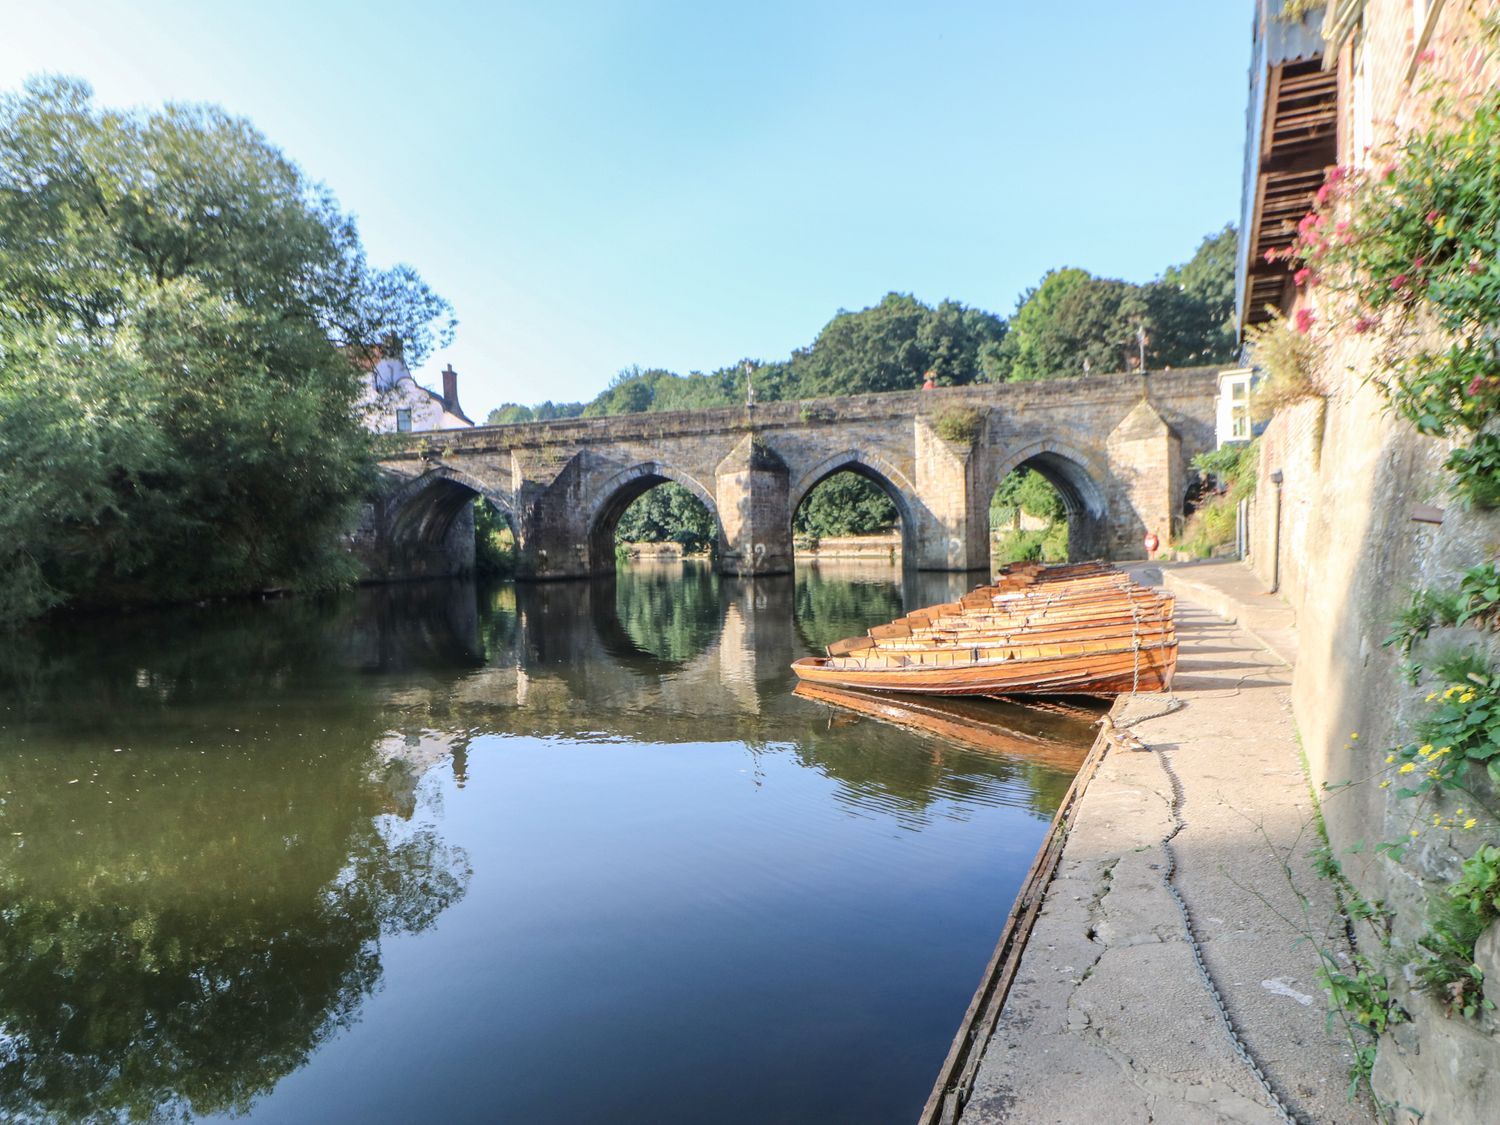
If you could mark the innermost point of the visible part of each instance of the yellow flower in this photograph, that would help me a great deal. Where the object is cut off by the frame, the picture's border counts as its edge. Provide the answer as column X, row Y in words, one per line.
column 1458, row 812
column 1354, row 736
column 1408, row 767
column 1389, row 758
column 1433, row 773
column 1414, row 832
column 1431, row 695
column 1385, row 785
column 1441, row 750
column 1437, row 818
column 1470, row 822
column 1466, row 697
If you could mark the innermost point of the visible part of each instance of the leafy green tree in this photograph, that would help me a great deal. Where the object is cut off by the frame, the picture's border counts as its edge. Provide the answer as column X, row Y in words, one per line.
column 846, row 503
column 180, row 309
column 508, row 413
column 669, row 513
column 1208, row 278
column 891, row 346
column 1073, row 321
column 1025, row 490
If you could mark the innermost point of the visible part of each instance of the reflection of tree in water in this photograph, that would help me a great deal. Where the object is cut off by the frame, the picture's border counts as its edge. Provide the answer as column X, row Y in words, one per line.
column 182, row 925
column 831, row 608
column 499, row 620
column 671, row 612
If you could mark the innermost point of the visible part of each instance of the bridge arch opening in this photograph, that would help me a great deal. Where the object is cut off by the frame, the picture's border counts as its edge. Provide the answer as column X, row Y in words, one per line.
column 444, row 523
column 1047, row 506
column 854, row 503
column 648, row 506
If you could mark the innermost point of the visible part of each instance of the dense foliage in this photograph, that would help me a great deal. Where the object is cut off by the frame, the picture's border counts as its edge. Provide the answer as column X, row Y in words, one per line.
column 669, row 513
column 1027, row 492
column 1229, row 473
column 846, row 503
column 494, row 543
column 508, row 413
column 1071, row 319
column 179, row 312
column 1407, row 252
column 1073, row 322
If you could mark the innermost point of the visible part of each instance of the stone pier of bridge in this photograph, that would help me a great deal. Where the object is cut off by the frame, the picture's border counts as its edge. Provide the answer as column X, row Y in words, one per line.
column 1115, row 447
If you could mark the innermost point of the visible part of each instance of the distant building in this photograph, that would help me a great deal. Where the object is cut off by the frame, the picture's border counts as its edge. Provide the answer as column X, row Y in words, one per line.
column 1232, row 421
column 397, row 403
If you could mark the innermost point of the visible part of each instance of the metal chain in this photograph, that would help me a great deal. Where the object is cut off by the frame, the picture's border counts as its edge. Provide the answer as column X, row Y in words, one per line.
column 1169, row 881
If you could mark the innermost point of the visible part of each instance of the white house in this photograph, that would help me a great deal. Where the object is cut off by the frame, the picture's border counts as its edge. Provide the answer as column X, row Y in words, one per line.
column 396, row 403
column 1232, row 422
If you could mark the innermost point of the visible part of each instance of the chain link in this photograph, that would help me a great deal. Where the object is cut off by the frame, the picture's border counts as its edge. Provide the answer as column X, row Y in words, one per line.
column 1169, row 881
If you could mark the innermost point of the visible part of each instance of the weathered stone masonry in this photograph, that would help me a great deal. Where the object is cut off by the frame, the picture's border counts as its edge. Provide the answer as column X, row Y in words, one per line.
column 1116, row 447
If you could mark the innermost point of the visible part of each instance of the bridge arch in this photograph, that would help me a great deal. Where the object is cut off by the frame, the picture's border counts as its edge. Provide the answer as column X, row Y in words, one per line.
column 1078, row 478
column 423, row 531
column 891, row 480
column 615, row 495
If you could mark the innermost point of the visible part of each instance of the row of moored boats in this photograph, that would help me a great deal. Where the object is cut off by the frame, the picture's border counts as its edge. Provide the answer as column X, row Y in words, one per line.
column 1079, row 629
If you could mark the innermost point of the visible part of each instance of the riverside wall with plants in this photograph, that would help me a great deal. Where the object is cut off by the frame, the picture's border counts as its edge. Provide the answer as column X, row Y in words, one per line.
column 1388, row 540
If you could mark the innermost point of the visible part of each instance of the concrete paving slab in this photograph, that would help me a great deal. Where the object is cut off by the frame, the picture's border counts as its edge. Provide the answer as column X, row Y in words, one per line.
column 1108, row 1019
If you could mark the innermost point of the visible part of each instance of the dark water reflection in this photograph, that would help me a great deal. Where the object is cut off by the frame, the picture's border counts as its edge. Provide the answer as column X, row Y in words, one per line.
column 553, row 853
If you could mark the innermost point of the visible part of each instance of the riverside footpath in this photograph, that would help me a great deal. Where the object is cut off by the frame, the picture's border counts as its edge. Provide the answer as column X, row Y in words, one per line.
column 1109, row 1018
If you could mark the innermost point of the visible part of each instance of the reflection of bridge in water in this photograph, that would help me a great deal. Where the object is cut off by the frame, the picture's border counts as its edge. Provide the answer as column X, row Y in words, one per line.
column 655, row 654
column 656, row 650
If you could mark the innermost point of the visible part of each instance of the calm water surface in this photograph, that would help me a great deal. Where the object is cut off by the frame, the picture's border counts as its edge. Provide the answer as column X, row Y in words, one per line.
column 556, row 853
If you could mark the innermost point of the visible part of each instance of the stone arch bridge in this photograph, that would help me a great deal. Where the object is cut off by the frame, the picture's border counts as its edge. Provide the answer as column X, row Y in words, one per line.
column 1116, row 447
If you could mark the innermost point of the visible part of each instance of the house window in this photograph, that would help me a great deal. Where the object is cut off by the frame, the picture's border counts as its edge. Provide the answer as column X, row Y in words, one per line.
column 403, row 421
column 1237, row 392
column 1240, row 427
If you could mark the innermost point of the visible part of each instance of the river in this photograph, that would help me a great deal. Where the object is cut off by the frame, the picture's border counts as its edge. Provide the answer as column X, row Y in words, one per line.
column 565, row 852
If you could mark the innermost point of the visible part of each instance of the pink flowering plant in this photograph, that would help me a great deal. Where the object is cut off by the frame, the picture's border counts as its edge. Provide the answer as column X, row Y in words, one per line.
column 1412, row 248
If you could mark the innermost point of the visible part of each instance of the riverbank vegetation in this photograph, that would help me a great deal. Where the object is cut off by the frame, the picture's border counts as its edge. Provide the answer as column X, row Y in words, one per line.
column 1228, row 476
column 181, row 314
column 1043, row 537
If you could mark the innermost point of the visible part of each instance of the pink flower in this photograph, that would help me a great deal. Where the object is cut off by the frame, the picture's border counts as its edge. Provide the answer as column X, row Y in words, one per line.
column 1427, row 56
column 1364, row 324
column 1474, row 267
column 1419, row 263
column 1433, row 216
column 1305, row 318
column 1389, row 171
column 1270, row 256
column 1302, row 276
column 1323, row 193
column 1399, row 281
column 1337, row 174
column 1341, row 226
column 1476, row 385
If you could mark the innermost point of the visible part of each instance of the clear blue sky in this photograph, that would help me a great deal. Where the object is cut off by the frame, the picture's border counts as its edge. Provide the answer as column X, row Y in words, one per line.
column 682, row 185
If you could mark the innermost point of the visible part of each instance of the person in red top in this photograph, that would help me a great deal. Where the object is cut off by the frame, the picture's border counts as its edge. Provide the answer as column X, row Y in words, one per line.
column 931, row 383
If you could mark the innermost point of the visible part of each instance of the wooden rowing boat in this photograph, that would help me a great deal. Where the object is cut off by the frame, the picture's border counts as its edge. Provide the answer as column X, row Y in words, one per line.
column 1085, row 629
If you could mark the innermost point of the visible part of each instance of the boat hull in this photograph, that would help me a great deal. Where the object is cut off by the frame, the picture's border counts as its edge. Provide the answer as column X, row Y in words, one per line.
column 1146, row 669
